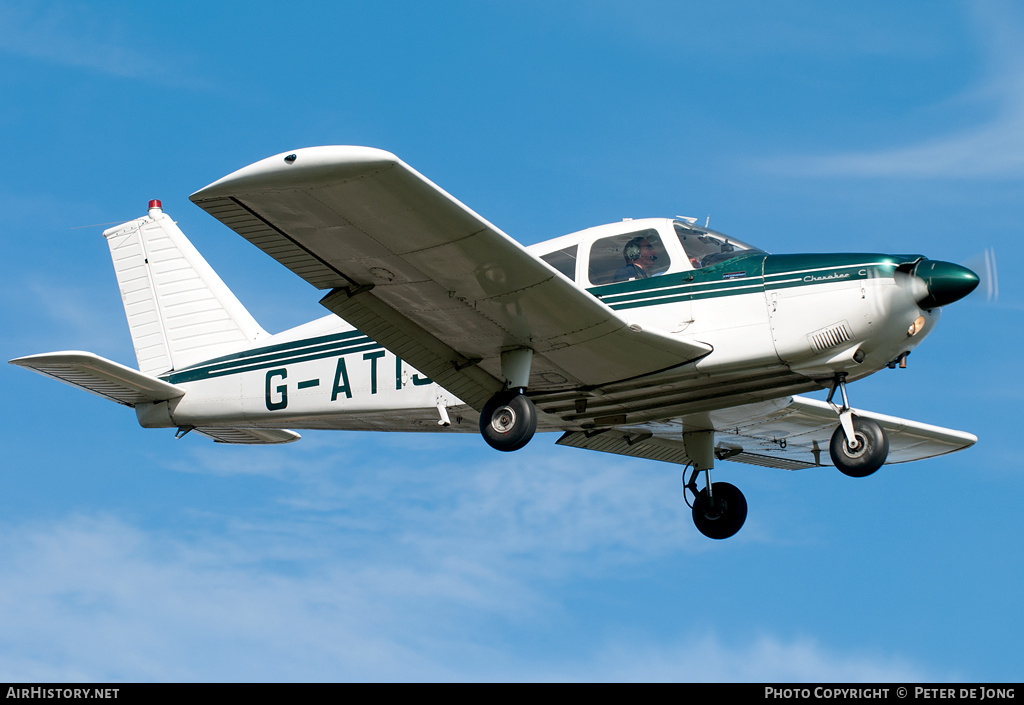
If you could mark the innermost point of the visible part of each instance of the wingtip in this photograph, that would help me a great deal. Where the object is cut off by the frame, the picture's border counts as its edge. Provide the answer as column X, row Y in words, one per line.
column 296, row 166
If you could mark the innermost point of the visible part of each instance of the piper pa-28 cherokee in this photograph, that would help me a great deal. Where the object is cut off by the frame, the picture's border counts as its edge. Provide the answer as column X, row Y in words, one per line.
column 652, row 338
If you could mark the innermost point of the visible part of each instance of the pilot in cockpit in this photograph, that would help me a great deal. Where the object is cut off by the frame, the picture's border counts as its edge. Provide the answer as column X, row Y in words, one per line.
column 640, row 259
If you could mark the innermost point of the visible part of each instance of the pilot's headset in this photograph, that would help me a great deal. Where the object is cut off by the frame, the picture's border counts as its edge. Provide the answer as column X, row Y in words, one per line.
column 631, row 252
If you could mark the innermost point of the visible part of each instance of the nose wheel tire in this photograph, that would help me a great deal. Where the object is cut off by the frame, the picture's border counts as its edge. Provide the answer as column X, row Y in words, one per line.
column 871, row 451
column 721, row 515
column 508, row 421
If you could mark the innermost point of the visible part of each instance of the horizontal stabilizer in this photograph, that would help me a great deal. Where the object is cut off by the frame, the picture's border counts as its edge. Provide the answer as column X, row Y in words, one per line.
column 249, row 436
column 101, row 377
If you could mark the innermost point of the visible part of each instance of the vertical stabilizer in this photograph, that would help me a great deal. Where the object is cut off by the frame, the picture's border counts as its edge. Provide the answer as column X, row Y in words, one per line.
column 179, row 311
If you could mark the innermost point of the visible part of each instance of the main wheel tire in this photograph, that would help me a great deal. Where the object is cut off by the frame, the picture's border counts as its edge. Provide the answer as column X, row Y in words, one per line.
column 508, row 421
column 721, row 516
column 869, row 455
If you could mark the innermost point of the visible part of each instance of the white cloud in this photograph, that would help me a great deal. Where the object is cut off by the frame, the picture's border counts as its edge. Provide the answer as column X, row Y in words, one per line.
column 460, row 499
column 764, row 659
column 383, row 570
column 86, row 36
column 993, row 148
column 95, row 598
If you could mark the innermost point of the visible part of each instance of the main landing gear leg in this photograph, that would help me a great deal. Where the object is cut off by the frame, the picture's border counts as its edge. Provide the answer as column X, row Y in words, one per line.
column 509, row 419
column 859, row 446
column 719, row 509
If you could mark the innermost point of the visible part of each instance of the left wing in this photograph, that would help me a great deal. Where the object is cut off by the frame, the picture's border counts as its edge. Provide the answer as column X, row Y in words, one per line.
column 790, row 434
column 428, row 278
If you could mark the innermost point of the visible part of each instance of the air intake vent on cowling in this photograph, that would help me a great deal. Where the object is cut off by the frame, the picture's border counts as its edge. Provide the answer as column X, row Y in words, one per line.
column 830, row 337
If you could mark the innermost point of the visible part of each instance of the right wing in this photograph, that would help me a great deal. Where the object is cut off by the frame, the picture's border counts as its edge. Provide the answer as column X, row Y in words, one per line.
column 800, row 432
column 428, row 278
column 790, row 434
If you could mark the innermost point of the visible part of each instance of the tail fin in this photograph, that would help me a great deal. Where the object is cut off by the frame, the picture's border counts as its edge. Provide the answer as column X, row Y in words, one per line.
column 179, row 311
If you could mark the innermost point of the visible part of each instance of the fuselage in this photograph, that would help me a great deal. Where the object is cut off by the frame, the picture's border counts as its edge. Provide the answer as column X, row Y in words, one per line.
column 777, row 325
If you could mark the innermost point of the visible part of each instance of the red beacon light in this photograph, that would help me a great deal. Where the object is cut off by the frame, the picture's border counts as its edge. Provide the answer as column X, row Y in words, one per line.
column 155, row 204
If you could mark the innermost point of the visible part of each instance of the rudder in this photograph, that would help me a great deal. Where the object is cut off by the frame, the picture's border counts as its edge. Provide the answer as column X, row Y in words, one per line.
column 179, row 311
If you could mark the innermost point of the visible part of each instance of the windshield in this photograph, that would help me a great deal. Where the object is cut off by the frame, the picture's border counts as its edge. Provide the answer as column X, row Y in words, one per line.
column 706, row 247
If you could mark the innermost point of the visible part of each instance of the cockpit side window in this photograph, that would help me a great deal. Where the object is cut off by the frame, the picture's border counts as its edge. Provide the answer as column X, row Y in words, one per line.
column 705, row 247
column 563, row 260
column 636, row 255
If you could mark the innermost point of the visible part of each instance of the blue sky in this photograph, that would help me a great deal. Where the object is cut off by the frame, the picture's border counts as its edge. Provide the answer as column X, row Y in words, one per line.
column 798, row 126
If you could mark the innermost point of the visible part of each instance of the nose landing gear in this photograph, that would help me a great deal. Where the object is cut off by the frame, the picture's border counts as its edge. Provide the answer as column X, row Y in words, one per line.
column 719, row 509
column 720, row 513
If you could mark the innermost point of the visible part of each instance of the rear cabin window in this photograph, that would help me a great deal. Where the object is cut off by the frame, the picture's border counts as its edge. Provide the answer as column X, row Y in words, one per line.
column 563, row 260
column 636, row 255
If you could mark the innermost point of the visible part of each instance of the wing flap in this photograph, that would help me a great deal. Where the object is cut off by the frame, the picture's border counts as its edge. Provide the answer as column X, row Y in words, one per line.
column 632, row 442
column 101, row 377
column 443, row 364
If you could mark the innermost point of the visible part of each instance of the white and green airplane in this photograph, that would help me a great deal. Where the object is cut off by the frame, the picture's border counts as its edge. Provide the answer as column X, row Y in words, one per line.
column 653, row 338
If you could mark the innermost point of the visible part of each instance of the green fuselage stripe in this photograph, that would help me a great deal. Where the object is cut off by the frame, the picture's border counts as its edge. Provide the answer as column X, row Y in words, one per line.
column 276, row 355
column 749, row 274
column 746, row 275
